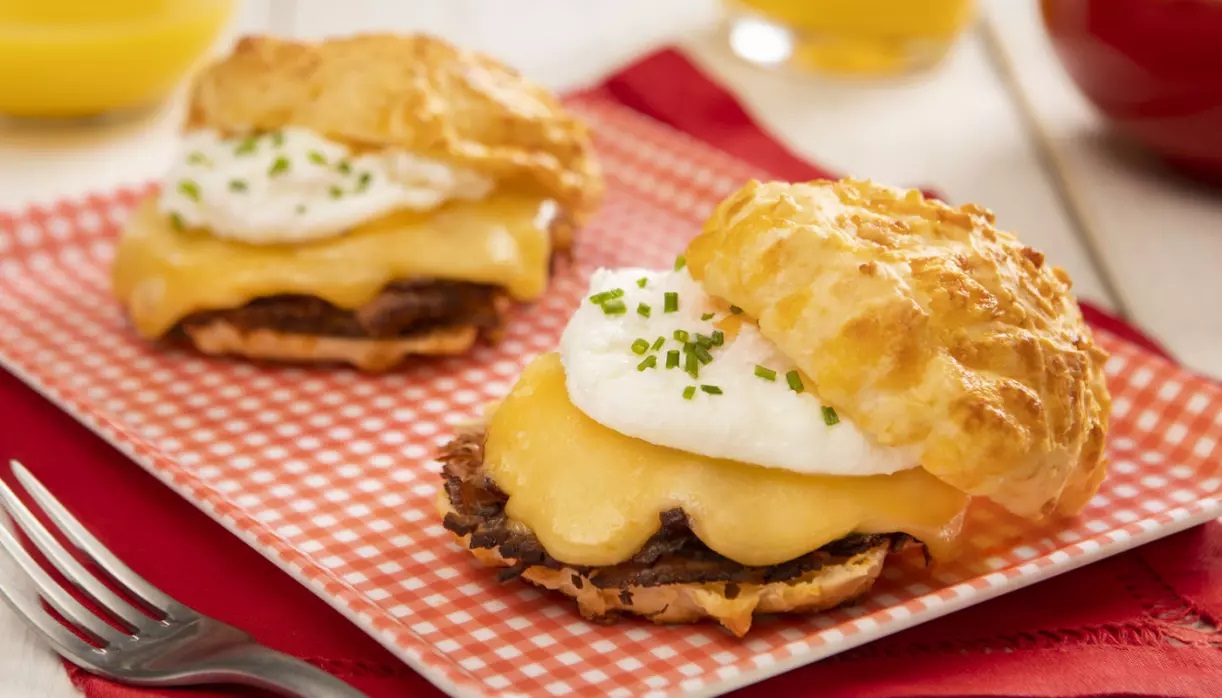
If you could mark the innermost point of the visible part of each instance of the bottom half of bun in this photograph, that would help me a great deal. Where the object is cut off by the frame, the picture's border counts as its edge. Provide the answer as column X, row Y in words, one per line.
column 417, row 317
column 674, row 578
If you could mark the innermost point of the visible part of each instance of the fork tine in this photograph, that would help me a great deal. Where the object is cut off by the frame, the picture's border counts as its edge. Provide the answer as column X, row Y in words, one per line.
column 27, row 608
column 74, row 571
column 85, row 542
column 56, row 595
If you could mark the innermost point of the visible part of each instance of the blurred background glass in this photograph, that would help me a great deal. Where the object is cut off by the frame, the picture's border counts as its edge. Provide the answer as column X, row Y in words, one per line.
column 847, row 37
column 87, row 58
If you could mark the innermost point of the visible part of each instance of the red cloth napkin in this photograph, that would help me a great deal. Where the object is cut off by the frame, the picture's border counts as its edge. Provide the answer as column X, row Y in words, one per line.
column 1143, row 623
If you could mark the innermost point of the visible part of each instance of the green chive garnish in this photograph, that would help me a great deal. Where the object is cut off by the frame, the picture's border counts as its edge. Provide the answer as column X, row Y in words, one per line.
column 640, row 346
column 198, row 158
column 279, row 166
column 247, row 146
column 672, row 358
column 614, row 307
column 736, row 310
column 707, row 316
column 640, row 283
column 672, row 301
column 702, row 354
column 317, row 158
column 689, row 392
column 704, row 340
column 794, row 381
column 765, row 373
column 691, row 366
column 176, row 221
column 680, row 262
column 681, row 335
column 603, row 297
column 189, row 189
column 301, row 208
column 711, row 389
column 278, row 139
column 657, row 343
column 719, row 338
column 830, row 417
column 336, row 191
column 643, row 309
column 362, row 182
column 237, row 185
column 344, row 167
column 650, row 361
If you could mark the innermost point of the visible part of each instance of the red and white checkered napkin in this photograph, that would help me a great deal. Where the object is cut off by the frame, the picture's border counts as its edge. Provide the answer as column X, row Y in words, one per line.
column 328, row 472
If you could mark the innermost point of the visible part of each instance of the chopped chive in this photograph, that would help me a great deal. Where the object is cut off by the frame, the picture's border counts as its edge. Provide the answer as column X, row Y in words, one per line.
column 301, row 208
column 198, row 158
column 795, row 381
column 317, row 158
column 691, row 365
column 362, row 182
column 247, row 146
column 643, row 309
column 711, row 389
column 657, row 343
column 279, row 166
column 719, row 338
column 702, row 354
column 176, row 221
column 650, row 361
column 672, row 358
column 707, row 316
column 336, row 191
column 344, row 167
column 640, row 283
column 680, row 262
column 704, row 340
column 605, row 296
column 614, row 307
column 189, row 189
column 736, row 310
column 672, row 301
column 237, row 185
column 689, row 392
column 830, row 417
column 640, row 346
column 681, row 335
column 278, row 139
column 765, row 373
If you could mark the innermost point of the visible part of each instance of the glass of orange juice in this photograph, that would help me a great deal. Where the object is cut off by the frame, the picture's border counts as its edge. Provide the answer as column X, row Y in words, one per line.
column 86, row 58
column 847, row 37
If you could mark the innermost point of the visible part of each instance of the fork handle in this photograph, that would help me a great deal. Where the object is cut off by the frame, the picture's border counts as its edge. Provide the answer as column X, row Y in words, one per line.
column 259, row 666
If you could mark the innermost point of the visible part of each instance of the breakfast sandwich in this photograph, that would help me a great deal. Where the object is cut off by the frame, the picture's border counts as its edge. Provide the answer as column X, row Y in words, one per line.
column 357, row 200
column 827, row 377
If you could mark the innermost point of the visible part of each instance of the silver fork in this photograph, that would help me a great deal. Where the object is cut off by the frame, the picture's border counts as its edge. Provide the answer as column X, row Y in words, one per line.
column 180, row 647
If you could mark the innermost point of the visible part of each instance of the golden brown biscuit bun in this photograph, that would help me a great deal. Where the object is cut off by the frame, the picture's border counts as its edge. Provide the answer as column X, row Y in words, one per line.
column 416, row 92
column 925, row 325
column 817, row 590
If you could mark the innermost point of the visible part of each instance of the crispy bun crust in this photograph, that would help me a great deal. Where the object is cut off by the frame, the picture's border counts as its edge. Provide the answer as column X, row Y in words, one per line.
column 667, row 604
column 414, row 92
column 224, row 339
column 925, row 325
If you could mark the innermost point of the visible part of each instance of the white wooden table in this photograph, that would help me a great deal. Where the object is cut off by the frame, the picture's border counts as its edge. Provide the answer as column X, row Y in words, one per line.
column 998, row 124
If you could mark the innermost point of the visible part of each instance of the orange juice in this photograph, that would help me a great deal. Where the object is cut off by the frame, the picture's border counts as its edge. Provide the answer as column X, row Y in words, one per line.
column 77, row 58
column 863, row 37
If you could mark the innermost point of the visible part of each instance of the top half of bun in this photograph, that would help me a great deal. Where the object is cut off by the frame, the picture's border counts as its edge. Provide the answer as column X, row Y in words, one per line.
column 414, row 92
column 926, row 325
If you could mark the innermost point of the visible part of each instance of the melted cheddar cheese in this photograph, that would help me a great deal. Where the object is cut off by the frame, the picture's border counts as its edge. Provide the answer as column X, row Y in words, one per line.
column 593, row 496
column 162, row 274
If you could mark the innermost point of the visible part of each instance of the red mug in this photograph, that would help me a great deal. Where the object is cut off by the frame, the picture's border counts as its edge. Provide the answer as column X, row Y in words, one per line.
column 1153, row 68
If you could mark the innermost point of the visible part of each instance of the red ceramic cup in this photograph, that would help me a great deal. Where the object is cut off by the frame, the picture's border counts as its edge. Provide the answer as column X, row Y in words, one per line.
column 1153, row 68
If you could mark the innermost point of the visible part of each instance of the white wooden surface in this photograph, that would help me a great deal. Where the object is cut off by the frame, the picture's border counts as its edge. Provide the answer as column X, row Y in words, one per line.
column 1151, row 248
